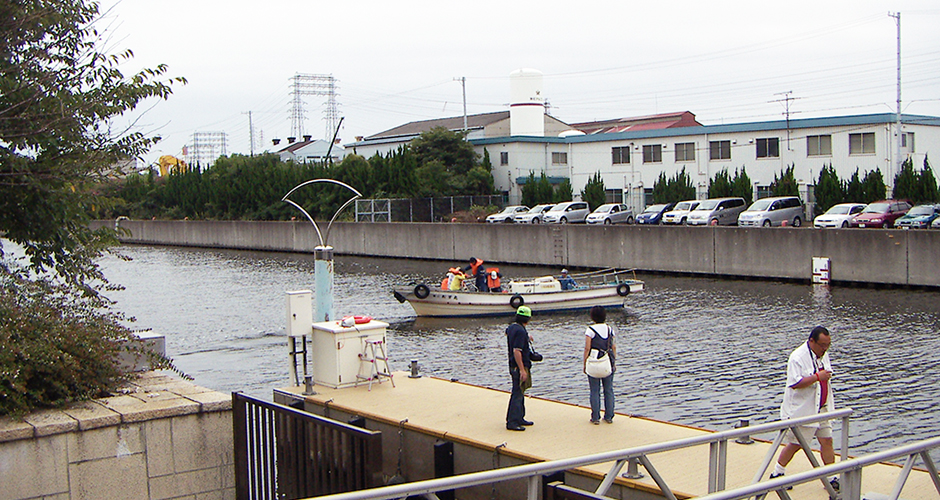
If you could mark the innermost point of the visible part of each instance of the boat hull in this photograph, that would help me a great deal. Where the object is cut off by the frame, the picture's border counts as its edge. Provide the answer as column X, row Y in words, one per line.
column 439, row 303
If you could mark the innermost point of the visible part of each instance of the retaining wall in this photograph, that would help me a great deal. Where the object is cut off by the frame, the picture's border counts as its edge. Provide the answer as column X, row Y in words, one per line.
column 165, row 438
column 895, row 257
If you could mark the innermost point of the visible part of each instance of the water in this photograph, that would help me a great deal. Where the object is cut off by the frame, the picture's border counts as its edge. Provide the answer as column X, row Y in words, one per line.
column 696, row 351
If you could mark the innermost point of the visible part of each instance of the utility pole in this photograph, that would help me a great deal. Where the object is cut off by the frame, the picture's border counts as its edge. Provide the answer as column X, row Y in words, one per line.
column 463, row 83
column 897, row 125
column 786, row 100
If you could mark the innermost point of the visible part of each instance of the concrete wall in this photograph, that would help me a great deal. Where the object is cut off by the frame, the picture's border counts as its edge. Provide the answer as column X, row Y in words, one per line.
column 164, row 439
column 894, row 257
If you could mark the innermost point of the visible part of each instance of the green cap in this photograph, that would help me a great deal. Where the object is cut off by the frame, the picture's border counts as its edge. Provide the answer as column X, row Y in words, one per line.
column 524, row 311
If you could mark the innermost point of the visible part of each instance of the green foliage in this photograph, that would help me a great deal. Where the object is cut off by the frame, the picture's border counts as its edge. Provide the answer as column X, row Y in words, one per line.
column 447, row 147
column 673, row 190
column 486, row 163
column 854, row 191
column 594, row 192
column 56, row 346
column 741, row 186
column 785, row 185
column 873, row 187
column 563, row 192
column 720, row 185
column 929, row 191
column 830, row 190
column 530, row 194
column 919, row 187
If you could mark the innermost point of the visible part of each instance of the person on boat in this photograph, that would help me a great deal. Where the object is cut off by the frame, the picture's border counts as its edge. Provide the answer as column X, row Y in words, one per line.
column 493, row 280
column 808, row 392
column 475, row 269
column 456, row 282
column 600, row 336
column 567, row 282
column 517, row 338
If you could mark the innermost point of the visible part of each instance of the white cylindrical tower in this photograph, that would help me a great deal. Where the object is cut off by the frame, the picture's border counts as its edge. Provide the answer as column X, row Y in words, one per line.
column 526, row 106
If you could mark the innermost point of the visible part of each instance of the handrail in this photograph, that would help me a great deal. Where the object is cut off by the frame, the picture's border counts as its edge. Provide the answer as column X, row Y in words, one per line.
column 533, row 470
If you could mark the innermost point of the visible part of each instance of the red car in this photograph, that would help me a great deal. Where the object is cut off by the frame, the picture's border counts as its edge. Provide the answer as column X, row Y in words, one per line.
column 880, row 214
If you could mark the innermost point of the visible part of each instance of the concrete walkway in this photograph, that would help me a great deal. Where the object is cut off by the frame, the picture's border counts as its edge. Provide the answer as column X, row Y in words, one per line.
column 475, row 415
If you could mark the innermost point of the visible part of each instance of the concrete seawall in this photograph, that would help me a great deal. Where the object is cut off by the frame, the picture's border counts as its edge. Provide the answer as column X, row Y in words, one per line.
column 893, row 257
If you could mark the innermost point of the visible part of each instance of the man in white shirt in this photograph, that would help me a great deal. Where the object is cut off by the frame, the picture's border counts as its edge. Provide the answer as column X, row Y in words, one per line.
column 808, row 392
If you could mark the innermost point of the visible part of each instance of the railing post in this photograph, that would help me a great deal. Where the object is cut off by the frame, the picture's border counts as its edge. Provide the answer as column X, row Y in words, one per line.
column 851, row 487
column 533, row 490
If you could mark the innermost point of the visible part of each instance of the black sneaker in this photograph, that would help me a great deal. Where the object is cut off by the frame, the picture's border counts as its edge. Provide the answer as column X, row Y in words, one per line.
column 835, row 484
column 774, row 475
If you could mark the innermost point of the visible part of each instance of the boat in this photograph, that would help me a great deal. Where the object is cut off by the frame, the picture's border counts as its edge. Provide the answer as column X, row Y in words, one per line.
column 607, row 288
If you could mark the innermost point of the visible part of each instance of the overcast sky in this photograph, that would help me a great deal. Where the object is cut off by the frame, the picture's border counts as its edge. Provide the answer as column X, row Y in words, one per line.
column 396, row 62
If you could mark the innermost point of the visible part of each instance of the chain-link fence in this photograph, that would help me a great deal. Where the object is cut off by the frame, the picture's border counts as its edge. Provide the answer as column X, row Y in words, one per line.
column 421, row 209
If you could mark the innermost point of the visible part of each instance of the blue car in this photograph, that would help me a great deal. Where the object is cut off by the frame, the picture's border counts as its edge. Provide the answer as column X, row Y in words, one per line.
column 918, row 217
column 654, row 213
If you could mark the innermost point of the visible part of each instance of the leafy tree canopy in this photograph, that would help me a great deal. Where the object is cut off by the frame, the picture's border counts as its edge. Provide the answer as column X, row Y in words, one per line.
column 448, row 147
column 594, row 192
column 720, row 185
column 785, row 185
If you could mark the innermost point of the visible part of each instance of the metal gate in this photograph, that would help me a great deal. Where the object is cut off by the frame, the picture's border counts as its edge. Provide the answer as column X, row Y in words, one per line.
column 282, row 453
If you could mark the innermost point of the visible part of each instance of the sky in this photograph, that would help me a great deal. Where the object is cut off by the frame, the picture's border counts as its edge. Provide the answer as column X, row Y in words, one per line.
column 399, row 61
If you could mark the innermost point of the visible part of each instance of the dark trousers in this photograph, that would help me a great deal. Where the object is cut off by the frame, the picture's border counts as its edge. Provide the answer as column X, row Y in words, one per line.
column 481, row 284
column 516, row 413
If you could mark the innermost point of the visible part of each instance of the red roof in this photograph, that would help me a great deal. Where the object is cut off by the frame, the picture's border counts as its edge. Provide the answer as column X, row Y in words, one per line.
column 651, row 122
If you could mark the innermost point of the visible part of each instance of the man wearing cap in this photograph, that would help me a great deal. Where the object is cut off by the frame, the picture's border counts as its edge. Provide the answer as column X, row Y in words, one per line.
column 567, row 282
column 519, row 364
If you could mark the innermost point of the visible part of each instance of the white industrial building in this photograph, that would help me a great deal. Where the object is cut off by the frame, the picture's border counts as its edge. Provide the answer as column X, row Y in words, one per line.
column 631, row 153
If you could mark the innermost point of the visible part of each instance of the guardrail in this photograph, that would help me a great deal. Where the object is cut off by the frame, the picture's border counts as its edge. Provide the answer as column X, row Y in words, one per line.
column 532, row 473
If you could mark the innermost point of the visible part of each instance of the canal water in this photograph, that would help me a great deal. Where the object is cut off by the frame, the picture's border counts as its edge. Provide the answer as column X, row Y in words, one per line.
column 696, row 351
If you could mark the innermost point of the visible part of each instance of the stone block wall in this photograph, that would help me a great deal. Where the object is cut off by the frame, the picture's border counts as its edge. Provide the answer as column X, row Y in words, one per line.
column 161, row 438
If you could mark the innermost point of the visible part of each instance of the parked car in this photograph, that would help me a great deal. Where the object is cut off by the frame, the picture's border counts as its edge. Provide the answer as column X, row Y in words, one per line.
column 680, row 212
column 881, row 214
column 720, row 211
column 840, row 215
column 568, row 212
column 611, row 213
column 774, row 211
column 654, row 213
column 532, row 216
column 919, row 217
column 507, row 214
column 936, row 223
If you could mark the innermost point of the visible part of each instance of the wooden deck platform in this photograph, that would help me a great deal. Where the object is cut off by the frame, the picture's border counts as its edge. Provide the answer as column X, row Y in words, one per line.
column 475, row 415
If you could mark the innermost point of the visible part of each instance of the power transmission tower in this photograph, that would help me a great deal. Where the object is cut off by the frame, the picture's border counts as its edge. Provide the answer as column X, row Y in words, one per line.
column 320, row 85
column 207, row 147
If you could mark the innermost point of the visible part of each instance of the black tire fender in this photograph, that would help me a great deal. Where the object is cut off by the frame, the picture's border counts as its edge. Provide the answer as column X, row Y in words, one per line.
column 516, row 300
column 623, row 289
column 422, row 291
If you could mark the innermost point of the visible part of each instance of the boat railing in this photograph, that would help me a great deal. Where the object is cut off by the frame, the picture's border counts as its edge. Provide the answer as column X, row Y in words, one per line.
column 850, row 469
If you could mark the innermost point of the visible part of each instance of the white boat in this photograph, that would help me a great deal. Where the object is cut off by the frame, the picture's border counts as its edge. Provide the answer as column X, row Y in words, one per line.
column 607, row 288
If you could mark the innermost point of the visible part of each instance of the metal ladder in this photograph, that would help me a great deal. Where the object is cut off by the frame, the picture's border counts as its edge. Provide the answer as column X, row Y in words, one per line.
column 373, row 353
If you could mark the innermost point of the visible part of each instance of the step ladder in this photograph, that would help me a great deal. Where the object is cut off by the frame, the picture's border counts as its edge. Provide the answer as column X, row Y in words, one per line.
column 374, row 357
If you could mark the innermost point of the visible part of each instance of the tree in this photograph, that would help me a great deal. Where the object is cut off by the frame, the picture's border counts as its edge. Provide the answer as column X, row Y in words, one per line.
column 741, row 186
column 720, row 185
column 674, row 189
column 594, row 193
column 563, row 192
column 786, row 184
column 829, row 189
column 59, row 96
column 530, row 191
column 928, row 191
column 854, row 191
column 905, row 182
column 873, row 186
column 545, row 193
column 448, row 147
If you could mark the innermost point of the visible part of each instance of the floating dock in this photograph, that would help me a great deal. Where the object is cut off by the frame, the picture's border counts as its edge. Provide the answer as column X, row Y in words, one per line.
column 432, row 409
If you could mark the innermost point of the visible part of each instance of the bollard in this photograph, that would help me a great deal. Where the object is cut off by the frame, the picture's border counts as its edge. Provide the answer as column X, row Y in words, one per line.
column 308, row 385
column 743, row 439
column 414, row 369
column 633, row 470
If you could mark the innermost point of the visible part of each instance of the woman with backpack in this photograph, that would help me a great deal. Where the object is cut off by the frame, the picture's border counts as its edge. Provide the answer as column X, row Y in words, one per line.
column 599, row 344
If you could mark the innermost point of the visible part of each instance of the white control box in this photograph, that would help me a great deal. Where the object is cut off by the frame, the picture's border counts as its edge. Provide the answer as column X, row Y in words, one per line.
column 299, row 313
column 336, row 350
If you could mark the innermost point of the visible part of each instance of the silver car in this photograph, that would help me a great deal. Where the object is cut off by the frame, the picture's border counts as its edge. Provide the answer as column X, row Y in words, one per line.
column 533, row 216
column 774, row 211
column 569, row 212
column 680, row 213
column 717, row 211
column 611, row 213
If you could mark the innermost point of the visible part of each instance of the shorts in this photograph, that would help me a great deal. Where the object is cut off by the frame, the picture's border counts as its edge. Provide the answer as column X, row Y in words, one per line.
column 824, row 431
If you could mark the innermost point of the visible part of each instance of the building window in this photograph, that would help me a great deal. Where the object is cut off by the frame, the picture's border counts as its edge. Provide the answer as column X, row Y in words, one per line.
column 613, row 196
column 907, row 141
column 819, row 145
column 559, row 158
column 862, row 144
column 504, row 158
column 620, row 155
column 653, row 153
column 685, row 151
column 764, row 192
column 768, row 148
column 719, row 150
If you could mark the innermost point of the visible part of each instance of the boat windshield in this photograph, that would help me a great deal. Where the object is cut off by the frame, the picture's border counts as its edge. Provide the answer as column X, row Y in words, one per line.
column 876, row 208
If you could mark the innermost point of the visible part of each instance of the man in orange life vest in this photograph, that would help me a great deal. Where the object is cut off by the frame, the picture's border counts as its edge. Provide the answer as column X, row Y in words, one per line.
column 476, row 270
column 493, row 281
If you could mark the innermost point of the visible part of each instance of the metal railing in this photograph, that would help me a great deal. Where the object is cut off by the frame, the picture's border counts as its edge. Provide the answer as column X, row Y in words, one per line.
column 284, row 453
column 532, row 473
column 421, row 209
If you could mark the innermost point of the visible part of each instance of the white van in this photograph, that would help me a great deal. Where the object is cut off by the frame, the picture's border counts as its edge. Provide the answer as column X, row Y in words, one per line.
column 718, row 211
column 778, row 211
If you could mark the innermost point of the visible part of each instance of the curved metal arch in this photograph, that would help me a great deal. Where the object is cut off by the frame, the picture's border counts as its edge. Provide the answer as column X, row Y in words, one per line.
column 323, row 238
